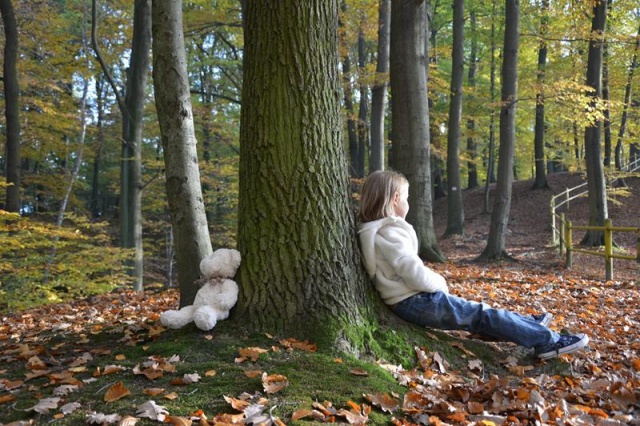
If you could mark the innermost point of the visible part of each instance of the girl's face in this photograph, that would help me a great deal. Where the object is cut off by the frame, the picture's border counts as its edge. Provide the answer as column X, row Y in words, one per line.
column 401, row 202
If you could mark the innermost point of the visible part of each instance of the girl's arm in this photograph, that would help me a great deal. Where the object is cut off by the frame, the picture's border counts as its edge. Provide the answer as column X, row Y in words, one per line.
column 397, row 250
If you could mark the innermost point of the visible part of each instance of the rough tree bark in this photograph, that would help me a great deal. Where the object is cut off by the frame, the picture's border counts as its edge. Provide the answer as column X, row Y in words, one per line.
column 410, row 116
column 300, row 273
column 173, row 103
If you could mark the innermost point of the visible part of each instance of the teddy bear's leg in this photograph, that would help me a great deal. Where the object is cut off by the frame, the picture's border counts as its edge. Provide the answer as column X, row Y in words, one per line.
column 177, row 319
column 205, row 318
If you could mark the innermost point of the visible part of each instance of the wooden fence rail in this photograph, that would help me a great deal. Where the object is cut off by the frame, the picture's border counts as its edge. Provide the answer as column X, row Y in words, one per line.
column 608, row 254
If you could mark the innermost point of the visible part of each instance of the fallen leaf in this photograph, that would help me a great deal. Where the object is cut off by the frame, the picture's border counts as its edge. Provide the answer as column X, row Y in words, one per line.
column 252, row 353
column 237, row 404
column 70, row 407
column 44, row 405
column 128, row 421
column 102, row 419
column 153, row 391
column 116, row 392
column 385, row 401
column 178, row 421
column 358, row 372
column 153, row 411
column 7, row 398
column 253, row 373
column 274, row 383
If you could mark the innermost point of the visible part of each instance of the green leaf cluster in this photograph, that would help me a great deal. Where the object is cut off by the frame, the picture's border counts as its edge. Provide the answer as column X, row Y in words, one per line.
column 43, row 263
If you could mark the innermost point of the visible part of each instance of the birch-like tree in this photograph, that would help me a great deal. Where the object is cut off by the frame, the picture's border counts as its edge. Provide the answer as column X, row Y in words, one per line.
column 173, row 103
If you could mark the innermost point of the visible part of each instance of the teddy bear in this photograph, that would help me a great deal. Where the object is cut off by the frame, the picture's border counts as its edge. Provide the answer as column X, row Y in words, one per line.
column 217, row 295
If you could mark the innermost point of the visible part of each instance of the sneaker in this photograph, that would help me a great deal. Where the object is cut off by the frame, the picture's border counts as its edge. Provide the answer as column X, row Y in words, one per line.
column 566, row 344
column 543, row 319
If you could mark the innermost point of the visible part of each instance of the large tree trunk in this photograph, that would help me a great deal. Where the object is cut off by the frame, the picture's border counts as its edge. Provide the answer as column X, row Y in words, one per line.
column 379, row 91
column 300, row 273
column 11, row 107
column 173, row 102
column 455, row 212
column 410, row 116
column 539, row 132
column 495, row 248
column 596, row 184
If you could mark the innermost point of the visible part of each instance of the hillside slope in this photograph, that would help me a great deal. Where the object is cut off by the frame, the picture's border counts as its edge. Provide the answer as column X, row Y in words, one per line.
column 529, row 237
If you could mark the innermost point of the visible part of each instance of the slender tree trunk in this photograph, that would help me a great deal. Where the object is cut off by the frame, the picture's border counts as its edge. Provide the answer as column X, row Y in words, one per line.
column 75, row 172
column 363, row 108
column 607, row 109
column 11, row 106
column 173, row 103
column 135, row 97
column 379, row 91
column 300, row 273
column 410, row 116
column 540, row 181
column 352, row 127
column 472, row 146
column 596, row 184
column 626, row 103
column 131, row 108
column 492, row 119
column 95, row 204
column 496, row 246
column 438, row 162
column 455, row 212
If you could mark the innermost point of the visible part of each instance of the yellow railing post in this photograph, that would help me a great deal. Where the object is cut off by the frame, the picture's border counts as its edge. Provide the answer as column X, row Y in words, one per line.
column 554, row 238
column 608, row 250
column 561, row 233
column 567, row 239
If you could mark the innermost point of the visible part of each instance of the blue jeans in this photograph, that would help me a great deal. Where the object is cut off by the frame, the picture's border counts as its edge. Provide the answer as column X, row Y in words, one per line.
column 446, row 312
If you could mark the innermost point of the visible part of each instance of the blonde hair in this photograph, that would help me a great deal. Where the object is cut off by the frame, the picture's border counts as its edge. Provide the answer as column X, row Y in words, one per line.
column 377, row 194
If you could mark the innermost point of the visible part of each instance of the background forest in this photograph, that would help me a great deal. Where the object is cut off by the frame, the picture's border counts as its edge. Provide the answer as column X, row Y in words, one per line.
column 71, row 236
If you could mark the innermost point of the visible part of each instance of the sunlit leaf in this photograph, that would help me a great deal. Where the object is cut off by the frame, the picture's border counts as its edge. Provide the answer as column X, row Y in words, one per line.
column 274, row 383
column 116, row 392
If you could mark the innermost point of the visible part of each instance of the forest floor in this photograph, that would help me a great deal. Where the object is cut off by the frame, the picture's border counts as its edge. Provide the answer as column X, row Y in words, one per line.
column 529, row 238
column 107, row 360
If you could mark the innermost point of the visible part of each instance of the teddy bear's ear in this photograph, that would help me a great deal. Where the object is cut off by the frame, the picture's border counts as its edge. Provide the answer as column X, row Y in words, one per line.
column 221, row 263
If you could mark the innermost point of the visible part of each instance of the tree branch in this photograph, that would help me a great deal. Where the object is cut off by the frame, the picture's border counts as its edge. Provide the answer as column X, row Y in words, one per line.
column 215, row 95
column 105, row 70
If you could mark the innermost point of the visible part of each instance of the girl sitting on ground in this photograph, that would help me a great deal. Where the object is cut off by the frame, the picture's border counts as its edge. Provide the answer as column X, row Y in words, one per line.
column 419, row 295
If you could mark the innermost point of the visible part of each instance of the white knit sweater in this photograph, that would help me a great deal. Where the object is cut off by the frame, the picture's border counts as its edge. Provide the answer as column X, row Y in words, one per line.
column 390, row 256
